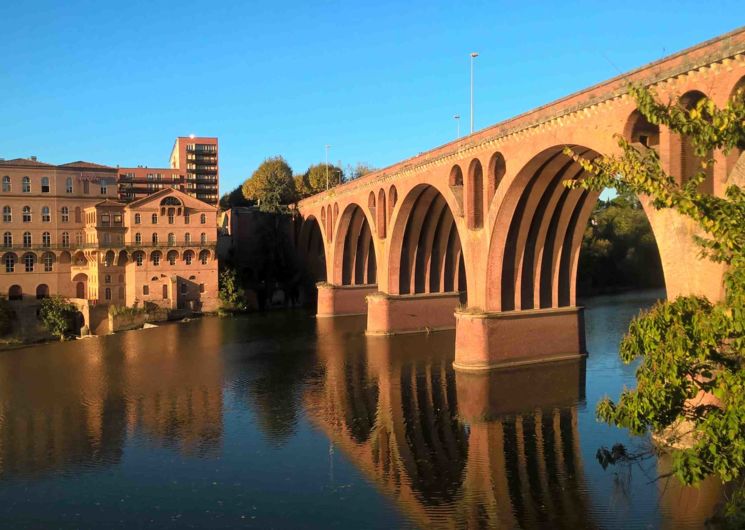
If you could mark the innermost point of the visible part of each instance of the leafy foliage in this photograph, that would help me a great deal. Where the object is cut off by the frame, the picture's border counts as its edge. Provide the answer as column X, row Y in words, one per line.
column 7, row 316
column 692, row 351
column 57, row 315
column 271, row 185
column 231, row 294
column 234, row 198
column 360, row 169
column 619, row 249
column 314, row 180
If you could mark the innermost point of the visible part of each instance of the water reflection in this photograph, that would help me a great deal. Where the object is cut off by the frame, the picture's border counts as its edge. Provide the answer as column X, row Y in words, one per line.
column 454, row 449
column 78, row 403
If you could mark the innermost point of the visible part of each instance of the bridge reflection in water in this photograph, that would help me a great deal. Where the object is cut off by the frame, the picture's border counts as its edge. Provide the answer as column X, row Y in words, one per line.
column 454, row 449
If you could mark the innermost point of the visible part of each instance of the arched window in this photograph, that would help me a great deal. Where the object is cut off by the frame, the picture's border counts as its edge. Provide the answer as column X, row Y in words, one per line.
column 107, row 278
column 42, row 291
column 155, row 256
column 68, row 185
column 28, row 261
column 7, row 214
column 188, row 257
column 10, row 263
column 78, row 238
column 45, row 184
column 109, row 261
column 139, row 258
column 27, row 239
column 155, row 218
column 48, row 262
column 138, row 218
column 107, row 294
column 155, row 238
column 204, row 257
column 186, row 218
column 171, row 239
column 7, row 239
column 104, row 187
column 65, row 214
column 138, row 238
column 203, row 238
column 45, row 215
column 65, row 239
column 46, row 239
column 203, row 219
column 172, row 255
column 27, row 214
column 26, row 188
column 187, row 238
column 6, row 183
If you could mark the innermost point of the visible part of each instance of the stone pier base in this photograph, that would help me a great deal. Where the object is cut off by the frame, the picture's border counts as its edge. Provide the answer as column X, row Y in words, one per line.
column 389, row 314
column 511, row 338
column 339, row 300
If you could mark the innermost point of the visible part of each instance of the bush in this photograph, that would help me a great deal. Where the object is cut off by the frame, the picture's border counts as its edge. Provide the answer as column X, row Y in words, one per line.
column 7, row 316
column 57, row 315
column 231, row 295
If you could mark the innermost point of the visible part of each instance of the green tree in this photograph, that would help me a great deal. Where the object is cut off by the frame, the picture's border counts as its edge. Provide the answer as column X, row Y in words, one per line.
column 687, row 346
column 57, row 315
column 271, row 185
column 231, row 294
column 315, row 178
column 300, row 187
column 234, row 198
column 360, row 169
column 7, row 316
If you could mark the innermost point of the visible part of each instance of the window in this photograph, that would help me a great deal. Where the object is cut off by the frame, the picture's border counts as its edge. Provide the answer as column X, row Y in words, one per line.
column 171, row 239
column 107, row 293
column 78, row 238
column 7, row 239
column 86, row 187
column 27, row 239
column 45, row 184
column 48, row 261
column 203, row 238
column 155, row 238
column 204, row 256
column 171, row 216
column 105, row 219
column 172, row 255
column 68, row 185
column 104, row 187
column 138, row 239
column 10, row 263
column 187, row 238
column 26, row 185
column 46, row 239
column 117, row 219
column 7, row 214
column 27, row 214
column 145, row 290
column 138, row 259
column 186, row 218
column 28, row 261
column 106, row 238
column 6, row 183
column 65, row 239
column 109, row 261
column 45, row 215
column 138, row 218
column 203, row 219
column 107, row 278
column 188, row 257
column 65, row 214
column 156, row 258
column 155, row 219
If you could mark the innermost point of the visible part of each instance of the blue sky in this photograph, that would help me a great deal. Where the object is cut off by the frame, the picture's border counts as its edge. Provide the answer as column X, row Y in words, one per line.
column 116, row 82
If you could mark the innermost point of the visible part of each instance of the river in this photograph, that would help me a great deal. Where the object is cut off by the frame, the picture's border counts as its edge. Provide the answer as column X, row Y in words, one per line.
column 284, row 421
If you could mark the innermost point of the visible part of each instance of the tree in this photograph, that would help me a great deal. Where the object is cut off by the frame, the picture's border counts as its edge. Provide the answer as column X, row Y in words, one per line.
column 271, row 185
column 231, row 294
column 360, row 169
column 7, row 316
column 234, row 198
column 688, row 347
column 315, row 178
column 300, row 187
column 57, row 315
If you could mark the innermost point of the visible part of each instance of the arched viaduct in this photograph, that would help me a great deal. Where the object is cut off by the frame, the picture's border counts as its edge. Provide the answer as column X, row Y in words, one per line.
column 481, row 235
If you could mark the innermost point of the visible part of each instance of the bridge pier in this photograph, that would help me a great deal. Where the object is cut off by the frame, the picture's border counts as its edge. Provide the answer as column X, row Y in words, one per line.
column 340, row 300
column 511, row 338
column 389, row 314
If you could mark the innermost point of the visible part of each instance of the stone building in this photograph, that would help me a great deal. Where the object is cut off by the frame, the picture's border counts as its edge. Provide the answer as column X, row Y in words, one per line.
column 65, row 233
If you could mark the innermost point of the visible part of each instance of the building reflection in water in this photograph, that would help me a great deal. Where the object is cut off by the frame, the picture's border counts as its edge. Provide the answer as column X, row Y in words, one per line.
column 454, row 449
column 75, row 404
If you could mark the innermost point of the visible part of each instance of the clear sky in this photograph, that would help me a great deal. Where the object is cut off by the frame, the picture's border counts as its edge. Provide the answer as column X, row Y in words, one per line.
column 116, row 82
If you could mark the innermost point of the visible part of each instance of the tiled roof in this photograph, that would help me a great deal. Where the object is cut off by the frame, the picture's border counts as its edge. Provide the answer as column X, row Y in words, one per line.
column 86, row 165
column 24, row 162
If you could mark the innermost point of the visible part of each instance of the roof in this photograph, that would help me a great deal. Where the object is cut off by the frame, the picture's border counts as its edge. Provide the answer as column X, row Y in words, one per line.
column 188, row 200
column 24, row 162
column 85, row 165
column 109, row 202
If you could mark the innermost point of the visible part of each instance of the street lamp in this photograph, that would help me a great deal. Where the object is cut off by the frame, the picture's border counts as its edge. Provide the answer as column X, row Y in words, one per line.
column 327, row 166
column 473, row 56
column 457, row 126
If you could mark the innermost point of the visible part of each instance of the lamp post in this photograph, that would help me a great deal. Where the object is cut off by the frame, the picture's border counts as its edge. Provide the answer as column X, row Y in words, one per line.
column 473, row 56
column 457, row 126
column 327, row 166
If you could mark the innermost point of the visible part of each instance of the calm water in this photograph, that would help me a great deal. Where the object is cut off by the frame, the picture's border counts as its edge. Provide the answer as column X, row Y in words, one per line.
column 282, row 421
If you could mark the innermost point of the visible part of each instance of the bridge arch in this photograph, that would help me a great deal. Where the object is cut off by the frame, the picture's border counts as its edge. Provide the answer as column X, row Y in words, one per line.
column 535, row 243
column 426, row 254
column 355, row 258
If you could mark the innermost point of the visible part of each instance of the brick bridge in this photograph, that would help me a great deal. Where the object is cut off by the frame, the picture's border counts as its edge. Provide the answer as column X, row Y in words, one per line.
column 481, row 235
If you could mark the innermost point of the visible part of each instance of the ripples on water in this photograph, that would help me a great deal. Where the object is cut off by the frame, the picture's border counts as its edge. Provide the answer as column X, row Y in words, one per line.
column 282, row 421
